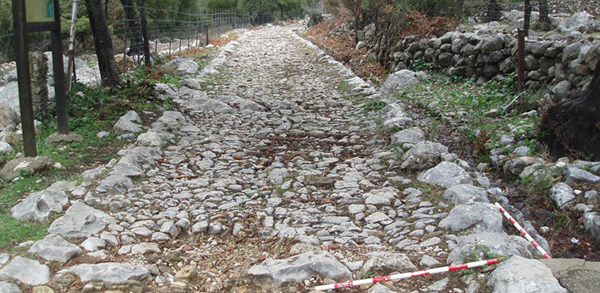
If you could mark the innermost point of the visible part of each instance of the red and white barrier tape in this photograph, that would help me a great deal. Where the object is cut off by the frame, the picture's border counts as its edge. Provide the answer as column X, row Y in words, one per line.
column 535, row 244
column 409, row 275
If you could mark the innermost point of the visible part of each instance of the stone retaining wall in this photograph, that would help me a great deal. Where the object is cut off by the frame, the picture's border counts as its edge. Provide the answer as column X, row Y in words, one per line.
column 565, row 64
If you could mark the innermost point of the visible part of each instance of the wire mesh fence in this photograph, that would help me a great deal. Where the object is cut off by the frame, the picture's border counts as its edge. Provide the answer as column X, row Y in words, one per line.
column 169, row 30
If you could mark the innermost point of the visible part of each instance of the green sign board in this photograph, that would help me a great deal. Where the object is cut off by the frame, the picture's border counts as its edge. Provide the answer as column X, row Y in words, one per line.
column 40, row 10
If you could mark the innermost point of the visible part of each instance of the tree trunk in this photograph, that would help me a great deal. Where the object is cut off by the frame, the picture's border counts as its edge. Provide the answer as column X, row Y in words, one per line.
column 459, row 9
column 494, row 11
column 134, row 27
column 544, row 22
column 103, row 42
column 145, row 36
column 572, row 128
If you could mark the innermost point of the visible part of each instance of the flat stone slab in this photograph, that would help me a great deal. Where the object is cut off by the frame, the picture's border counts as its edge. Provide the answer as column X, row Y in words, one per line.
column 32, row 165
column 386, row 263
column 28, row 271
column 524, row 275
column 60, row 137
column 108, row 272
column 80, row 220
column 54, row 247
column 6, row 287
column 274, row 272
column 576, row 275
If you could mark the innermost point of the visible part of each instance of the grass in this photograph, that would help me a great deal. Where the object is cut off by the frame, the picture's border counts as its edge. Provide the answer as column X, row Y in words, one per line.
column 91, row 110
column 460, row 105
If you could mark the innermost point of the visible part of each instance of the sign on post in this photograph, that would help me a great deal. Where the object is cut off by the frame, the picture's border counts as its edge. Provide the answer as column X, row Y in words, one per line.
column 36, row 16
column 40, row 10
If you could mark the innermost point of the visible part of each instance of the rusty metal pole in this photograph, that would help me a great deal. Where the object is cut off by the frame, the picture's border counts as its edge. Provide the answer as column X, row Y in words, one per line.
column 521, row 59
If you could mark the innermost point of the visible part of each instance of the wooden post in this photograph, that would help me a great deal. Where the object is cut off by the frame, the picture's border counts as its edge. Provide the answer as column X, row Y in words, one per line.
column 24, row 81
column 521, row 59
column 59, row 74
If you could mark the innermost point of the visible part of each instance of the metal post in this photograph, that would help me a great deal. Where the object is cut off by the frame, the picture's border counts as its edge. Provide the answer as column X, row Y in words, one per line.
column 189, row 26
column 59, row 74
column 521, row 59
column 22, row 59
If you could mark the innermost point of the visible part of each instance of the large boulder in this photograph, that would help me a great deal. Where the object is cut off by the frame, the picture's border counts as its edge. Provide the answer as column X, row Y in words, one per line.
column 465, row 193
column 580, row 21
column 39, row 205
column 273, row 273
column 114, row 184
column 489, row 243
column 385, row 263
column 128, row 123
column 412, row 135
column 399, row 80
column 562, row 194
column 423, row 155
column 28, row 271
column 80, row 220
column 480, row 216
column 8, row 116
column 446, row 174
column 29, row 165
column 54, row 247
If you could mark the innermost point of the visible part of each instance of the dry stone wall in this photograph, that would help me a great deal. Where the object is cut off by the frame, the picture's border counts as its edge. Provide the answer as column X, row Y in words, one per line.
column 563, row 63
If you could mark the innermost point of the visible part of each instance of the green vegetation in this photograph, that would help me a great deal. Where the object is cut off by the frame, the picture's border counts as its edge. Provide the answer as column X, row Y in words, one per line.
column 462, row 106
column 91, row 110
column 375, row 106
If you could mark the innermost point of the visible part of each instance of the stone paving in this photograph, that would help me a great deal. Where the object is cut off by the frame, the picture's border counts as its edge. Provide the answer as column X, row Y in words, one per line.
column 272, row 177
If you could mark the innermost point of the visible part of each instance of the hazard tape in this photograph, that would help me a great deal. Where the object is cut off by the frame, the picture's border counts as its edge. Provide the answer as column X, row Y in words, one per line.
column 409, row 275
column 535, row 244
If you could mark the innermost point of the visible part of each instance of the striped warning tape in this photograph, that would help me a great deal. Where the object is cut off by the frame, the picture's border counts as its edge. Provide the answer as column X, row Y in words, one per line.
column 535, row 244
column 409, row 275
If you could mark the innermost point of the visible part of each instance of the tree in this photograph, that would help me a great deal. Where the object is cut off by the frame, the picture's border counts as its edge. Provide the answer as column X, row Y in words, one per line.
column 133, row 26
column 103, row 43
column 544, row 20
column 572, row 127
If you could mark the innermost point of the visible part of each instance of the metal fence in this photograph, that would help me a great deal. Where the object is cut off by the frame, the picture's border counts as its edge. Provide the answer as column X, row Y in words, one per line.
column 169, row 30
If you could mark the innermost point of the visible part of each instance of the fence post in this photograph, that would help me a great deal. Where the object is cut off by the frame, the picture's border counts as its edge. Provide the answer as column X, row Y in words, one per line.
column 521, row 59
column 206, row 34
column 189, row 26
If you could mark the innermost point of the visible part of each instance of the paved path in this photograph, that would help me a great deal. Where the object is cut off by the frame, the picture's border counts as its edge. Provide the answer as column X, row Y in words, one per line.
column 273, row 177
